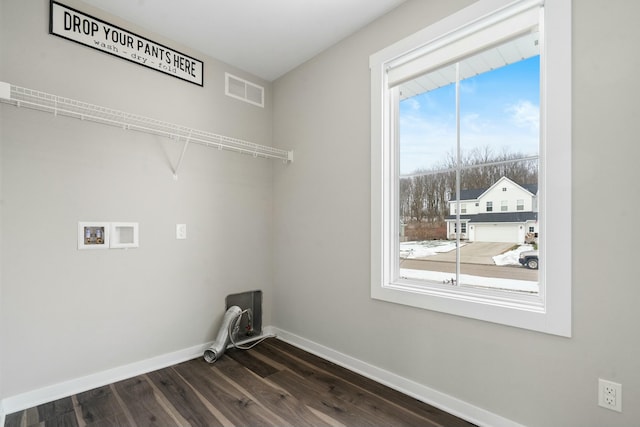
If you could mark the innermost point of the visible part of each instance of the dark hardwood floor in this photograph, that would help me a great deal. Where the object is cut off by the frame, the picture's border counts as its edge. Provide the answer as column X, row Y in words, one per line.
column 273, row 384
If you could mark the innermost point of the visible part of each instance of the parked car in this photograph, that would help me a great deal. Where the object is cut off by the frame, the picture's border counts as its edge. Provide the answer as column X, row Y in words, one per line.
column 529, row 259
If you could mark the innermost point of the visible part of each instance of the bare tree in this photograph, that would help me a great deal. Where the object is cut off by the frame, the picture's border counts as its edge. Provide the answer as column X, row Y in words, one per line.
column 424, row 195
column 420, row 191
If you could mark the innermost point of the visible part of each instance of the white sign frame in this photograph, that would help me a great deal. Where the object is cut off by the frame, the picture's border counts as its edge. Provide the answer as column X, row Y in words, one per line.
column 76, row 26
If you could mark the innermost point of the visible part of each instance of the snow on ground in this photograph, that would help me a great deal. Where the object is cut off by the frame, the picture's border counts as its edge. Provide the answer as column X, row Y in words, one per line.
column 466, row 279
column 511, row 257
column 412, row 250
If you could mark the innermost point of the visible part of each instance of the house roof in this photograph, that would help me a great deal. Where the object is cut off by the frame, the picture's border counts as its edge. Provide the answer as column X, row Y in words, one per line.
column 497, row 217
column 474, row 194
column 468, row 194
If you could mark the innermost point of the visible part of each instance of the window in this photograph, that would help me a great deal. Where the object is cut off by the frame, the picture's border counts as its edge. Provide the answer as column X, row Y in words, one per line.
column 463, row 208
column 504, row 206
column 449, row 65
column 463, row 228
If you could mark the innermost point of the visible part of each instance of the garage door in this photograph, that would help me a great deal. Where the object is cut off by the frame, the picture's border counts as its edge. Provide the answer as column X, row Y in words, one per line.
column 496, row 233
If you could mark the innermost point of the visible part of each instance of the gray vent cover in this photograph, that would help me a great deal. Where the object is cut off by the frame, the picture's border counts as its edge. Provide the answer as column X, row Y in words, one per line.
column 244, row 90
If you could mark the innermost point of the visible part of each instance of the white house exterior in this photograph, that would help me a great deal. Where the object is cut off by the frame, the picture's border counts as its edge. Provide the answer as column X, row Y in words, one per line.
column 504, row 212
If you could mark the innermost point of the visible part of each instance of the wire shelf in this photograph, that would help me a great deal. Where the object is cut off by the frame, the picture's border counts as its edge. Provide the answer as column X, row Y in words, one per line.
column 33, row 99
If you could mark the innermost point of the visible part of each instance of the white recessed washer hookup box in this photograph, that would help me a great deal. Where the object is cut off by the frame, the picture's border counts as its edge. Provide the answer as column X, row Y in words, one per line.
column 93, row 235
column 107, row 235
column 124, row 235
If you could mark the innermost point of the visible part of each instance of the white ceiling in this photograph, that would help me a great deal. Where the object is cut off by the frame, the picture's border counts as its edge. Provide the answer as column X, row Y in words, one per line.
column 264, row 37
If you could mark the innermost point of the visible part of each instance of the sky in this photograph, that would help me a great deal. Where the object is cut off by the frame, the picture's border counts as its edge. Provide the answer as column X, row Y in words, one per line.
column 499, row 109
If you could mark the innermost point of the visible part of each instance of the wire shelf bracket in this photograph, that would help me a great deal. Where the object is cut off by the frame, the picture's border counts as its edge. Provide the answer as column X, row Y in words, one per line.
column 41, row 101
column 184, row 150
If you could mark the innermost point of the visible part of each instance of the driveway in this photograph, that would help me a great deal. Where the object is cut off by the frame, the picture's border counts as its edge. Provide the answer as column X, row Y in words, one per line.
column 475, row 253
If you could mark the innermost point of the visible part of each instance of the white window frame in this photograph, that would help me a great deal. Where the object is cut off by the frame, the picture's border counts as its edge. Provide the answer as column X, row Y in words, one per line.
column 463, row 227
column 550, row 310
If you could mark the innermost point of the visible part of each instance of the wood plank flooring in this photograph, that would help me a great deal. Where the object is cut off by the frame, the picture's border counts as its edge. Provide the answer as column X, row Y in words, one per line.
column 273, row 384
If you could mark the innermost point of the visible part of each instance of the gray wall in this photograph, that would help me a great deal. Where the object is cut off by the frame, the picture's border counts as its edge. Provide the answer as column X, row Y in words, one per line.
column 67, row 313
column 321, row 234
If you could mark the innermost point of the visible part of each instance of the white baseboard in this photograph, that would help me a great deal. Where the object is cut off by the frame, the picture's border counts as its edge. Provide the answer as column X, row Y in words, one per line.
column 450, row 404
column 421, row 392
column 37, row 397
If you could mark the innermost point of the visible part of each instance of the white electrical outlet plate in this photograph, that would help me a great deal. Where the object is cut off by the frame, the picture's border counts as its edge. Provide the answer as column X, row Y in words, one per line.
column 181, row 231
column 610, row 395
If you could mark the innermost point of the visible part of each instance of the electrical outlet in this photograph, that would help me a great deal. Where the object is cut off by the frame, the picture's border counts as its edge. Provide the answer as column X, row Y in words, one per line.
column 610, row 395
column 181, row 231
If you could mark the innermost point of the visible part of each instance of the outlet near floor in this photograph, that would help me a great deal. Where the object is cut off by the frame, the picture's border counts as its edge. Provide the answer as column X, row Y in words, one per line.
column 610, row 395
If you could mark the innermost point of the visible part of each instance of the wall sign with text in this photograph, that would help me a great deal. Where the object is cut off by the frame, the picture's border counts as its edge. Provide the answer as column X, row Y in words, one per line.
column 81, row 28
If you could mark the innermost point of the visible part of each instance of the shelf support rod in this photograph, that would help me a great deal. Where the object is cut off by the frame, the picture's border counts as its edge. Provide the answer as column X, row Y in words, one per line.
column 184, row 150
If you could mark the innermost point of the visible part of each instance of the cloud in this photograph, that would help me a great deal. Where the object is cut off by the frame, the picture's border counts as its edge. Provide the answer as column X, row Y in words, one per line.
column 428, row 133
column 472, row 122
column 425, row 142
column 525, row 114
column 413, row 103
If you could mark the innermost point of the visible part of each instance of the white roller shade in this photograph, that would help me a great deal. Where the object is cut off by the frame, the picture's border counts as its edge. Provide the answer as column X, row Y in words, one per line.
column 515, row 20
